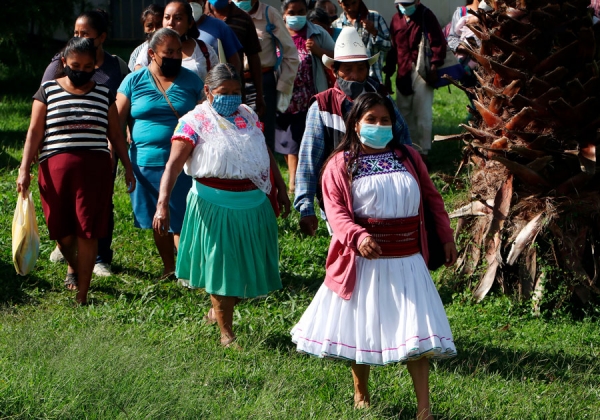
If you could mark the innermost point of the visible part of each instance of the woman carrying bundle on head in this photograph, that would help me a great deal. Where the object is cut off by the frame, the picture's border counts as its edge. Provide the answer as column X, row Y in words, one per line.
column 378, row 304
column 73, row 119
column 228, row 241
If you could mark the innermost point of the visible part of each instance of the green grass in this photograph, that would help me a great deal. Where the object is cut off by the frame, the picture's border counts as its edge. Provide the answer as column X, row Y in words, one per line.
column 141, row 350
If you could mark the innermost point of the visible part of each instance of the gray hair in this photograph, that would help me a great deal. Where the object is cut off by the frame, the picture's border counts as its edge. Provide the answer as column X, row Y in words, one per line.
column 219, row 74
column 160, row 36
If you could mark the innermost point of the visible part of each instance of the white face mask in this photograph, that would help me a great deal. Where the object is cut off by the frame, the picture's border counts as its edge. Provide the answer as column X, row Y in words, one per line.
column 196, row 11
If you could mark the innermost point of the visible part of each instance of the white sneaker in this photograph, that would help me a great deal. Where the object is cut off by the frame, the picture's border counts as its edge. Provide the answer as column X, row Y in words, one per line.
column 56, row 256
column 102, row 270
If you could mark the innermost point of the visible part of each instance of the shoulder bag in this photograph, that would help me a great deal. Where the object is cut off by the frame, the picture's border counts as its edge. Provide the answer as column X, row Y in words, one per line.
column 451, row 66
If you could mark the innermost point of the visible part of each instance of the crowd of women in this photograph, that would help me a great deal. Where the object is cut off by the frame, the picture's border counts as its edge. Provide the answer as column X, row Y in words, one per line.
column 201, row 173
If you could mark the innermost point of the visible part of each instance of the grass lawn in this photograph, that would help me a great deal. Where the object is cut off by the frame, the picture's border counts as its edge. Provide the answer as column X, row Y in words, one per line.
column 140, row 350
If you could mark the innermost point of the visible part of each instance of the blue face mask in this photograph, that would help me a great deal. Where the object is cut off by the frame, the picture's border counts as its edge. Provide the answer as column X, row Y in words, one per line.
column 246, row 6
column 219, row 4
column 295, row 23
column 226, row 105
column 375, row 136
column 408, row 10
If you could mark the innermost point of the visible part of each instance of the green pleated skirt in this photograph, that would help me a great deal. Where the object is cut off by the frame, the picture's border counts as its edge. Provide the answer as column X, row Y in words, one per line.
column 228, row 243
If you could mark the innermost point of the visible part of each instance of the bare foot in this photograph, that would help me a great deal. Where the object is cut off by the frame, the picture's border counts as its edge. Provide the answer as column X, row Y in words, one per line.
column 229, row 342
column 424, row 414
column 362, row 401
column 209, row 318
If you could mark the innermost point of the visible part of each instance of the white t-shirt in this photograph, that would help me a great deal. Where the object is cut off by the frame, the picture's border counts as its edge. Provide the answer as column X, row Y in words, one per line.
column 195, row 63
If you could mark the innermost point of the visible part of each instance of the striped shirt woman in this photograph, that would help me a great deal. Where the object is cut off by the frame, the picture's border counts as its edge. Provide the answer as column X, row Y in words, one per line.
column 74, row 122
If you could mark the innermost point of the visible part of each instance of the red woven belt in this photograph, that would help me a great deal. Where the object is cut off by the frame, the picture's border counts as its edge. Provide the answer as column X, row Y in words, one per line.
column 396, row 237
column 235, row 185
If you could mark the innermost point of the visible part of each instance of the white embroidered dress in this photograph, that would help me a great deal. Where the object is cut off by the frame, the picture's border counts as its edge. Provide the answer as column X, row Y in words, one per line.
column 395, row 313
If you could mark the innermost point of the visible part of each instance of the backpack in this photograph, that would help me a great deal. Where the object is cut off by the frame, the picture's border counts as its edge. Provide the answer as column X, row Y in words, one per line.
column 448, row 27
column 205, row 53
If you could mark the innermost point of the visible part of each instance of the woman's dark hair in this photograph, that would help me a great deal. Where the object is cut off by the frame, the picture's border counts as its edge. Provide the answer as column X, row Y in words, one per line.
column 160, row 36
column 350, row 142
column 193, row 32
column 75, row 45
column 97, row 19
column 285, row 4
column 319, row 16
column 219, row 74
column 154, row 10
column 321, row 5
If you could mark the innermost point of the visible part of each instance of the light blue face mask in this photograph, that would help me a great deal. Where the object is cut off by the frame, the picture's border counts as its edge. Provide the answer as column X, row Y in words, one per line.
column 226, row 105
column 375, row 136
column 408, row 10
column 295, row 23
column 246, row 6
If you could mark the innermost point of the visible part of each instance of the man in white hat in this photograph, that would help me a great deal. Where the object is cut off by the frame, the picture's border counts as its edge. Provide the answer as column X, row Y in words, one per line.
column 414, row 94
column 325, row 124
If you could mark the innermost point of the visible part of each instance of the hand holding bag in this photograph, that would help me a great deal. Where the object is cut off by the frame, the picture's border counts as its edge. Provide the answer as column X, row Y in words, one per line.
column 451, row 66
column 25, row 236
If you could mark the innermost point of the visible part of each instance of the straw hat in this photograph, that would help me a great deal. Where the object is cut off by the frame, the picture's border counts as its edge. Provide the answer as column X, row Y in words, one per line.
column 349, row 47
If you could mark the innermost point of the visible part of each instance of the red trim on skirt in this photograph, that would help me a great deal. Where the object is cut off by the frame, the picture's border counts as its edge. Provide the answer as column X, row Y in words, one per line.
column 76, row 190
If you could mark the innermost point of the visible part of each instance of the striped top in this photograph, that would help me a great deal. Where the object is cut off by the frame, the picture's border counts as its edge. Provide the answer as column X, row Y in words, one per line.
column 74, row 122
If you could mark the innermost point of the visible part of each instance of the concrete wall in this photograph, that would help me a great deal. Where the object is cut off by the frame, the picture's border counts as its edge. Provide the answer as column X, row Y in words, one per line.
column 125, row 14
column 443, row 9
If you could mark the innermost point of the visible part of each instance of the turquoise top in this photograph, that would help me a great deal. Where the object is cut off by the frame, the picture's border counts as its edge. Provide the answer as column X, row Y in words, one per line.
column 153, row 119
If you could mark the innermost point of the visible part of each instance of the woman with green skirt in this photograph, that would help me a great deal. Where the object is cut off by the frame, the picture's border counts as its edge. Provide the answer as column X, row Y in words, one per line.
column 228, row 242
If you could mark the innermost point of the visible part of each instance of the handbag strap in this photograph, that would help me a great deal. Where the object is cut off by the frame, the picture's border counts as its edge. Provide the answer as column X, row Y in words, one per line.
column 276, row 42
column 205, row 53
column 164, row 93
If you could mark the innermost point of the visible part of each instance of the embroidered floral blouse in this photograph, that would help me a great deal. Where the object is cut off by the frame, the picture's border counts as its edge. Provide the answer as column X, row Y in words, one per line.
column 304, row 85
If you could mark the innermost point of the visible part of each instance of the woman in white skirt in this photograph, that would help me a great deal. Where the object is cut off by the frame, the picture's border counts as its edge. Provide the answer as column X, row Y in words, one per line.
column 378, row 304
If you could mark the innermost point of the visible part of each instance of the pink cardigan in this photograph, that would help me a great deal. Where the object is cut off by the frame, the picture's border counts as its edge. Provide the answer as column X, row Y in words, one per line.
column 340, row 266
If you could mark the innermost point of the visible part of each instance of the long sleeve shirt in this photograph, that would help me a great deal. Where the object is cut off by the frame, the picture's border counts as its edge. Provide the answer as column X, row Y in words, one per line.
column 406, row 37
column 374, row 44
column 312, row 154
column 268, row 55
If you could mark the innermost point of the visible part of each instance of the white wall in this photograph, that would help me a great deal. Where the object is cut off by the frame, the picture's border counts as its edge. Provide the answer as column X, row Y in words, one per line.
column 443, row 9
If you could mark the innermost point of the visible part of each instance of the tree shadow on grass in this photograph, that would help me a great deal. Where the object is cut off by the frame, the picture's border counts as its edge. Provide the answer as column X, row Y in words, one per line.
column 475, row 358
column 13, row 287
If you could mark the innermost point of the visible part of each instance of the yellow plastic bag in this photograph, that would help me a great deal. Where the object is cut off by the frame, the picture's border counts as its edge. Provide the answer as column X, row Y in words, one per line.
column 25, row 236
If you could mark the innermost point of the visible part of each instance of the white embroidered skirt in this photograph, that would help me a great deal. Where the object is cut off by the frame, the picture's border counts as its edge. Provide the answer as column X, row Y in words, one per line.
column 395, row 313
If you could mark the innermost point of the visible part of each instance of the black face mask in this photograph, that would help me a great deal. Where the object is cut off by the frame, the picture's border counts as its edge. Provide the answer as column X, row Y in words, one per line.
column 78, row 77
column 350, row 88
column 170, row 66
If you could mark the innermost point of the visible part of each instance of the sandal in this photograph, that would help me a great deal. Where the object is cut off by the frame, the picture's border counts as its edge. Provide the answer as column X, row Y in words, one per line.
column 71, row 281
column 167, row 276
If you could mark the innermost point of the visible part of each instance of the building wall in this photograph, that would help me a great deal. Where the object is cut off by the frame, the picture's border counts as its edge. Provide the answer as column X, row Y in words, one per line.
column 125, row 14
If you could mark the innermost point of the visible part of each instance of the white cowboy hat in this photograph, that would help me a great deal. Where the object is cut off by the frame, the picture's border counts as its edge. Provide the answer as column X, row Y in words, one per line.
column 349, row 48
